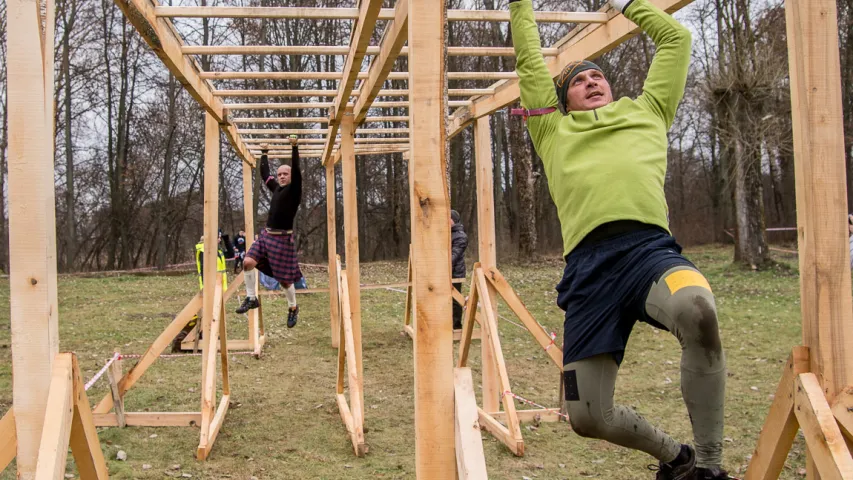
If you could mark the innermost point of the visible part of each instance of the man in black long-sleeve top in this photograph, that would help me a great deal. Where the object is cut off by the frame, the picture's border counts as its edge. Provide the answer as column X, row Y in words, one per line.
column 274, row 252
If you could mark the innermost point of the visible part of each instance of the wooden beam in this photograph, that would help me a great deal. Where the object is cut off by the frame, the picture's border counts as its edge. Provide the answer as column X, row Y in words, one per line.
column 337, row 76
column 306, row 105
column 299, row 131
column 780, row 428
column 368, row 12
column 532, row 416
column 8, row 439
column 842, row 408
column 354, row 377
column 587, row 42
column 85, row 446
column 826, row 445
column 32, row 232
column 53, row 448
column 113, row 376
column 430, row 211
column 395, row 35
column 215, row 426
column 500, row 432
column 348, row 179
column 332, row 250
column 353, row 13
column 249, row 228
column 497, row 280
column 152, row 354
column 150, row 419
column 825, row 287
column 491, row 334
column 211, row 242
column 487, row 248
column 470, row 459
column 163, row 39
column 335, row 50
column 453, row 92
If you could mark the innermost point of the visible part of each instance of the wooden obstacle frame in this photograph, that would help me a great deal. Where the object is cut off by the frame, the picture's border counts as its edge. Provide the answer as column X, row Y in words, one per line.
column 815, row 389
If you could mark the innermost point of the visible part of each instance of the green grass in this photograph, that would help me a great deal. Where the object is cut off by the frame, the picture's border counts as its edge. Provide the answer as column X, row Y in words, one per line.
column 284, row 422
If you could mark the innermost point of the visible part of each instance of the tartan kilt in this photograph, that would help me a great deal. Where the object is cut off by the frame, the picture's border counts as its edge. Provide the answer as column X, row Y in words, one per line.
column 276, row 257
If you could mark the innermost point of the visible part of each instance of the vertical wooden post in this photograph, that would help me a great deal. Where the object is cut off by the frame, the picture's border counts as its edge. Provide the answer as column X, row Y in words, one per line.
column 487, row 249
column 331, row 228
column 249, row 228
column 211, row 233
column 32, row 239
column 433, row 342
column 351, row 233
column 821, row 193
column 825, row 289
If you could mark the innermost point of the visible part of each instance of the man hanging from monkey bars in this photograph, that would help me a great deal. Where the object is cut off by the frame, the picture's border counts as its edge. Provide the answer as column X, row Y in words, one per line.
column 605, row 161
column 274, row 252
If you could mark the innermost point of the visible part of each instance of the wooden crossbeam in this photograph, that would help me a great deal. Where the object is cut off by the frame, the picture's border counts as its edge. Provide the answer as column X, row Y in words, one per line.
column 335, row 50
column 368, row 12
column 163, row 39
column 254, row 120
column 453, row 92
column 353, row 13
column 304, row 105
column 272, row 141
column 311, row 131
column 588, row 42
column 353, row 416
column 395, row 35
column 234, row 75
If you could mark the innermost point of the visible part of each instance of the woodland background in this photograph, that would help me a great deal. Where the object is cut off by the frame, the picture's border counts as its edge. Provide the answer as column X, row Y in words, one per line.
column 129, row 139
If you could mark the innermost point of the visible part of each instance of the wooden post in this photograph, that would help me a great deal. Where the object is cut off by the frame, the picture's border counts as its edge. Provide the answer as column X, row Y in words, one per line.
column 249, row 228
column 487, row 248
column 821, row 193
column 331, row 228
column 32, row 239
column 433, row 349
column 211, row 233
column 351, row 233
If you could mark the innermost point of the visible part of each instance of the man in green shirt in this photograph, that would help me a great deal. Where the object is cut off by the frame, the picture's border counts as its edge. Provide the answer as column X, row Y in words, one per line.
column 605, row 160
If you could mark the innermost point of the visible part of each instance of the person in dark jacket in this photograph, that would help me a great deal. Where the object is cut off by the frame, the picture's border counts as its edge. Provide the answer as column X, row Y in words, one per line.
column 458, row 244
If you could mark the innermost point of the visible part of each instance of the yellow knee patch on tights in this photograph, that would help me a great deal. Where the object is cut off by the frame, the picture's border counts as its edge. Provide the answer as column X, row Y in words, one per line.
column 685, row 278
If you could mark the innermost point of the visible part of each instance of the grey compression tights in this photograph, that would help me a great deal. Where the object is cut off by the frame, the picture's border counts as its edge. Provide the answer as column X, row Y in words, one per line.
column 682, row 302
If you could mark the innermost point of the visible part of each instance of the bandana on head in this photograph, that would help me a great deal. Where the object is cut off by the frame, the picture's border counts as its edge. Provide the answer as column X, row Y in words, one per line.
column 565, row 79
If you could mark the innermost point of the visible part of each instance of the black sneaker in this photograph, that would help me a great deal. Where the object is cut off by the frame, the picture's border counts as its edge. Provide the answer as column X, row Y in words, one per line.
column 249, row 303
column 292, row 316
column 715, row 473
column 682, row 468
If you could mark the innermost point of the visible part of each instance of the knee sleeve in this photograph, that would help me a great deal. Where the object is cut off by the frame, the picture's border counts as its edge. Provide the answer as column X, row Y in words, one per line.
column 682, row 301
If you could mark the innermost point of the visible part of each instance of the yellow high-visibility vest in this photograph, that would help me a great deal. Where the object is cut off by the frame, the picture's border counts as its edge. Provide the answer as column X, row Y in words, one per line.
column 220, row 266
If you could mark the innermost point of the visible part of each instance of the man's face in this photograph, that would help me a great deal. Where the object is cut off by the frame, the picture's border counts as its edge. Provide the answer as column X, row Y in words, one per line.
column 589, row 90
column 283, row 175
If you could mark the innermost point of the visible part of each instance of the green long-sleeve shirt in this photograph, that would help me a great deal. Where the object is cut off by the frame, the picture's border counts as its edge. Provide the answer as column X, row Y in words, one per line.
column 606, row 164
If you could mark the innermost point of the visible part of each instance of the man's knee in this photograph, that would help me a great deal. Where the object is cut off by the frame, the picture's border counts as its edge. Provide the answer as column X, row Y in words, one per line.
column 586, row 419
column 695, row 314
column 249, row 263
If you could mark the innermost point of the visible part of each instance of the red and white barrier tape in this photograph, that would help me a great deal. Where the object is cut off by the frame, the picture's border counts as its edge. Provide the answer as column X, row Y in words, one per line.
column 534, row 404
column 98, row 375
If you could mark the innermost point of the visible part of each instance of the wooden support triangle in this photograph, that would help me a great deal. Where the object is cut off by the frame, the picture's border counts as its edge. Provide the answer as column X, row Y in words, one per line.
column 256, row 337
column 216, row 342
column 352, row 412
column 504, row 425
column 800, row 403
column 69, row 423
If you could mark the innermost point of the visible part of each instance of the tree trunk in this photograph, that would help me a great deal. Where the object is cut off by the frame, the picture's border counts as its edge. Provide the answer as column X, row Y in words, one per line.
column 164, row 210
column 524, row 185
column 70, row 217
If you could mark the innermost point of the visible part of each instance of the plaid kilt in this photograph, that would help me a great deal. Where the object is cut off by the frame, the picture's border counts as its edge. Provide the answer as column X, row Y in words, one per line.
column 276, row 257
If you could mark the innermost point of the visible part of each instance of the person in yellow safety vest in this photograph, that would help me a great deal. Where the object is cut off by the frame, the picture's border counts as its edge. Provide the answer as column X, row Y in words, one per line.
column 199, row 262
column 220, row 264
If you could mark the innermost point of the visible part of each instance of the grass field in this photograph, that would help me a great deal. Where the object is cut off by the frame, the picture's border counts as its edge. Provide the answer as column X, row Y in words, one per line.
column 284, row 422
